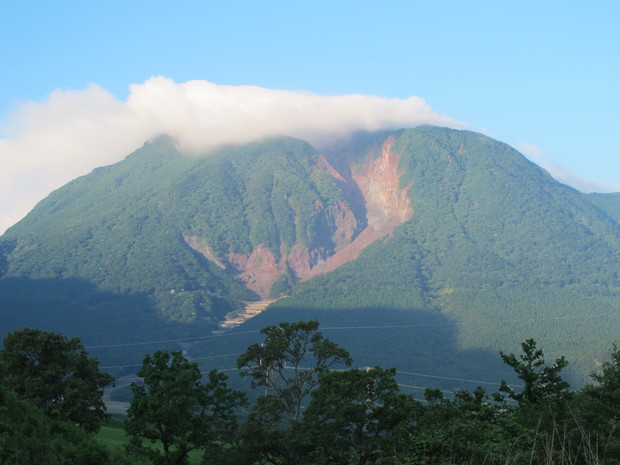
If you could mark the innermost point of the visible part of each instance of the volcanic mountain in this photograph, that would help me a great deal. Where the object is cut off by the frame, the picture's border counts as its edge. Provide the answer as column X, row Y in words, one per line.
column 454, row 240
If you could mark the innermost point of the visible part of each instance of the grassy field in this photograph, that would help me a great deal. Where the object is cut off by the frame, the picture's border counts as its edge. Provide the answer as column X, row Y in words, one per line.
column 113, row 436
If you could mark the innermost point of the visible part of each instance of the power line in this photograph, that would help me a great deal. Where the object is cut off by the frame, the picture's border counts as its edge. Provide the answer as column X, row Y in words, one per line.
column 446, row 377
column 131, row 344
column 336, row 328
column 190, row 360
column 425, row 325
column 424, row 388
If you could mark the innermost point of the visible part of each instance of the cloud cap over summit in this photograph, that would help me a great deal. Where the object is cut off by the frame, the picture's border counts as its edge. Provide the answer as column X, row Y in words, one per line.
column 45, row 145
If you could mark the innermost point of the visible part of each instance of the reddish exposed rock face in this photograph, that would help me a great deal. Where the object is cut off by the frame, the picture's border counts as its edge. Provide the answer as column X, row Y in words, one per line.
column 258, row 271
column 386, row 204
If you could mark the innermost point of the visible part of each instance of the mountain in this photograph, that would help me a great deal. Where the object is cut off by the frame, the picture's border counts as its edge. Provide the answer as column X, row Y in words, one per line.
column 434, row 247
column 610, row 203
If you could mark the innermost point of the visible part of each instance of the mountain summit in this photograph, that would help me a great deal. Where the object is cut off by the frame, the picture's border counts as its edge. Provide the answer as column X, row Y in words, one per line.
column 445, row 225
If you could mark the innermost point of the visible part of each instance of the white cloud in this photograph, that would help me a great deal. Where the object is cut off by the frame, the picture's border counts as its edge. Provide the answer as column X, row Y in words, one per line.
column 563, row 174
column 46, row 144
column 201, row 114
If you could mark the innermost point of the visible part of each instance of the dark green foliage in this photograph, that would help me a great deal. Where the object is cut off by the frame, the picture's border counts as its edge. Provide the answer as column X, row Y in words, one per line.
column 56, row 375
column 30, row 437
column 598, row 408
column 352, row 417
column 495, row 246
column 469, row 429
column 175, row 409
column 547, row 411
column 288, row 364
column 609, row 203
column 542, row 383
column 357, row 417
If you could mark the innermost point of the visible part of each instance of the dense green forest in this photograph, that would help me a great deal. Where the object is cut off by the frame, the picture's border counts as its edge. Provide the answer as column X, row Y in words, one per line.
column 496, row 251
column 309, row 407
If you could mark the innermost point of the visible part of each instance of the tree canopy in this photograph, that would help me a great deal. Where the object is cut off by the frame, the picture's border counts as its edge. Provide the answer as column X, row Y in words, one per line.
column 55, row 374
column 173, row 407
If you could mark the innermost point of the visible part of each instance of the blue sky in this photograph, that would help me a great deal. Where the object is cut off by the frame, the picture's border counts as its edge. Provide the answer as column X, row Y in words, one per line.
column 541, row 76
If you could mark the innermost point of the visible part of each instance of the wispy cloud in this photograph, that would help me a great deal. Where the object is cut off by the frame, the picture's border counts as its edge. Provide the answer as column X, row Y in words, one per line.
column 46, row 144
column 563, row 174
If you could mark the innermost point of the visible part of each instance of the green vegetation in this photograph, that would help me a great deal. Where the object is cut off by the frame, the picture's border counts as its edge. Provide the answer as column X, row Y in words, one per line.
column 313, row 410
column 496, row 248
column 291, row 347
column 112, row 435
column 495, row 245
column 55, row 374
column 123, row 230
column 609, row 203
column 50, row 400
column 28, row 436
column 174, row 411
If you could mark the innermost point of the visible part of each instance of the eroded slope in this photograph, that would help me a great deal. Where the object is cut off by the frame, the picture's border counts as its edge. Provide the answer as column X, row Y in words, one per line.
column 341, row 233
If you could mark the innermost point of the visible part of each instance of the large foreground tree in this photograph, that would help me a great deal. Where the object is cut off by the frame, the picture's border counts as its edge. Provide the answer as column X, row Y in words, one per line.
column 357, row 417
column 55, row 374
column 174, row 407
column 288, row 365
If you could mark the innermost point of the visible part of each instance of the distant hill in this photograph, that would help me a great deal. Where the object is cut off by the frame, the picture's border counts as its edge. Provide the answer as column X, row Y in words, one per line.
column 440, row 246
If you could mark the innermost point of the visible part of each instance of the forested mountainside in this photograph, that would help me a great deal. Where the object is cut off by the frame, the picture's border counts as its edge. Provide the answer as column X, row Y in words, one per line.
column 610, row 203
column 432, row 228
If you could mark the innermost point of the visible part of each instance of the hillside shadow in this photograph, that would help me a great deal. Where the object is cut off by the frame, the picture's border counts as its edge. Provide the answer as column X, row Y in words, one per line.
column 420, row 344
column 113, row 327
column 6, row 247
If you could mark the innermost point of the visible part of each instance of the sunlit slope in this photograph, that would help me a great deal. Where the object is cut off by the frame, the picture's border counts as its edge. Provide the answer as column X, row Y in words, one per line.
column 495, row 244
column 609, row 203
column 174, row 230
column 451, row 224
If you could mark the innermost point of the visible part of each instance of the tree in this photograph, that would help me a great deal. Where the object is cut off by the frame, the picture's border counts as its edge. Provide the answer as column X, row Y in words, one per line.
column 174, row 407
column 28, row 436
column 543, row 409
column 598, row 406
column 55, row 374
column 288, row 365
column 609, row 376
column 541, row 382
column 357, row 417
column 289, row 362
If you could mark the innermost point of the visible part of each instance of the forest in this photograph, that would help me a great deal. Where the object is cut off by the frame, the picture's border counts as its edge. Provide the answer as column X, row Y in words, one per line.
column 496, row 249
column 306, row 405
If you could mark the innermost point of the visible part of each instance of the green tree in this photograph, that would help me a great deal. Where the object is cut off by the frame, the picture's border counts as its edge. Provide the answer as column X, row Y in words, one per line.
column 543, row 405
column 598, row 408
column 55, row 374
column 542, row 382
column 357, row 417
column 287, row 364
column 608, row 378
column 29, row 437
column 178, row 413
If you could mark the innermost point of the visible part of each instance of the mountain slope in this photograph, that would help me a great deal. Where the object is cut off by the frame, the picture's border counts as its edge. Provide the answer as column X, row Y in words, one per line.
column 609, row 203
column 434, row 227
column 177, row 229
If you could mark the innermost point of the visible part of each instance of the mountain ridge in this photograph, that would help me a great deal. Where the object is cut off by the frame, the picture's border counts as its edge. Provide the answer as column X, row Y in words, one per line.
column 432, row 220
